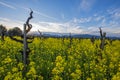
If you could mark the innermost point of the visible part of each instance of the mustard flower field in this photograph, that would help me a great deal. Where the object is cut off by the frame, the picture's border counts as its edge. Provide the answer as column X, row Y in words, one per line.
column 58, row 59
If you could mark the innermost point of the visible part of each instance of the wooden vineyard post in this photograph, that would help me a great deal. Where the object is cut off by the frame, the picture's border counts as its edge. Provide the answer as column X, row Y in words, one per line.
column 24, row 45
column 40, row 34
column 102, row 37
column 93, row 39
column 70, row 36
column 63, row 39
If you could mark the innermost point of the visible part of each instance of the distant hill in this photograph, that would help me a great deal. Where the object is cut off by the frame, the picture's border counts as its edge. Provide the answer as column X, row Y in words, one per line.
column 55, row 34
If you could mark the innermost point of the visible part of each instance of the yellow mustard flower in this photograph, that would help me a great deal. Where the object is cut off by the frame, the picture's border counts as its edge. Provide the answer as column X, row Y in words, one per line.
column 32, row 71
column 58, row 58
column 14, row 69
column 78, row 71
column 56, row 77
column 1, row 69
column 21, row 66
column 88, row 78
column 32, row 63
column 7, row 60
column 8, row 77
column 55, row 71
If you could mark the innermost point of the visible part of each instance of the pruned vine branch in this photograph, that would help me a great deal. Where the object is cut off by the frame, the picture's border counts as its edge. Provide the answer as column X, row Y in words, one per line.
column 30, row 17
column 27, row 22
column 15, row 39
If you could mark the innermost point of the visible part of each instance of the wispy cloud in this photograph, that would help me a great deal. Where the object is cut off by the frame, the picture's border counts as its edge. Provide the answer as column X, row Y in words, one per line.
column 109, row 21
column 45, row 15
column 4, row 19
column 114, row 13
column 82, row 20
column 7, row 5
column 86, row 5
column 98, row 18
column 42, row 14
column 11, row 23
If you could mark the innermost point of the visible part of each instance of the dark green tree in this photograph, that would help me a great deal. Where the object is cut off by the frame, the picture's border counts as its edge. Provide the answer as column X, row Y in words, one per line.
column 15, row 32
column 3, row 31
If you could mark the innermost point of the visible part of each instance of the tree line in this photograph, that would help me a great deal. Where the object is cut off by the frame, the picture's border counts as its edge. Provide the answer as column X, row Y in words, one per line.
column 16, row 31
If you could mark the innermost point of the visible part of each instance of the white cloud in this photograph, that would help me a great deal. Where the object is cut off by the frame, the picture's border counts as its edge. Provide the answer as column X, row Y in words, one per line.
column 112, row 29
column 82, row 20
column 86, row 5
column 109, row 21
column 90, row 19
column 99, row 18
column 56, row 27
column 7, row 5
column 114, row 13
column 92, row 30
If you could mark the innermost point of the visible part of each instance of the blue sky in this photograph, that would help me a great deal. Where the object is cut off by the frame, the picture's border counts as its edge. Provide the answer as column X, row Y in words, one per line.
column 64, row 16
